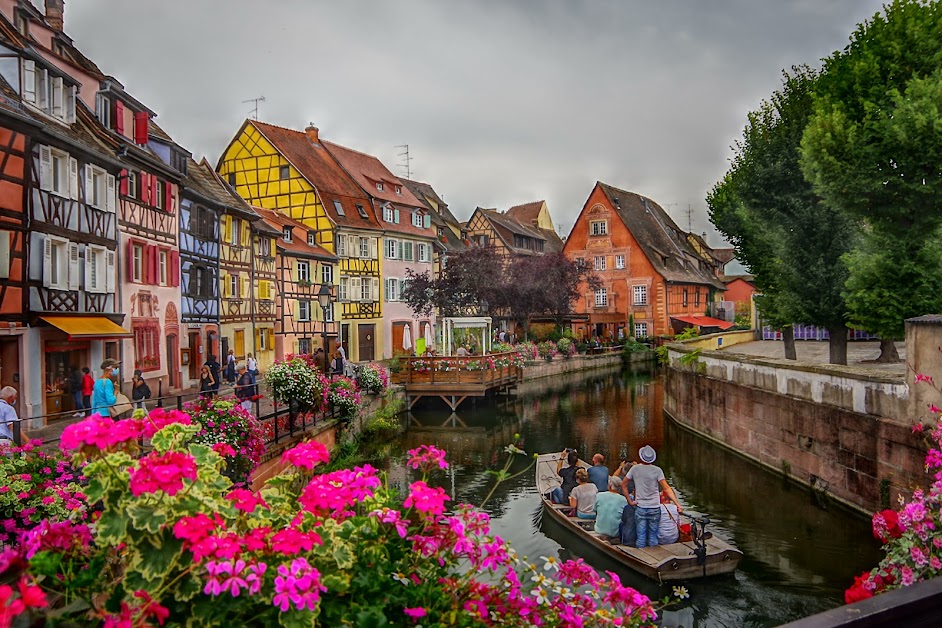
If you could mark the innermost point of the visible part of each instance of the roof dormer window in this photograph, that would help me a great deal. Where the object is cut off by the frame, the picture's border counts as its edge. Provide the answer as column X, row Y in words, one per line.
column 361, row 211
column 399, row 190
column 22, row 23
column 311, row 238
column 379, row 186
column 103, row 109
column 48, row 93
column 286, row 234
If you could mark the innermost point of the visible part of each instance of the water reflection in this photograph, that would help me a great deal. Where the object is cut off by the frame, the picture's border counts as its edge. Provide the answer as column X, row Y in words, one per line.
column 798, row 556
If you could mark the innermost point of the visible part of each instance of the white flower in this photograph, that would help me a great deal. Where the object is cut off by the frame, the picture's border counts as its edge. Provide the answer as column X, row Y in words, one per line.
column 551, row 563
column 566, row 592
column 513, row 449
column 401, row 578
column 540, row 595
column 681, row 592
column 540, row 580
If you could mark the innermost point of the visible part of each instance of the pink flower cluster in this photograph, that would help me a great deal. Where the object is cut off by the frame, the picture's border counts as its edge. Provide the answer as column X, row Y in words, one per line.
column 427, row 457
column 298, row 585
column 162, row 472
column 426, row 499
column 307, row 455
column 105, row 433
column 14, row 602
column 337, row 491
column 232, row 576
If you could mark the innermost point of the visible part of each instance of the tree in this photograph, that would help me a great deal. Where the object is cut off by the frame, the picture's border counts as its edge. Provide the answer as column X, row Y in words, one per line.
column 873, row 149
column 792, row 242
column 546, row 284
column 471, row 281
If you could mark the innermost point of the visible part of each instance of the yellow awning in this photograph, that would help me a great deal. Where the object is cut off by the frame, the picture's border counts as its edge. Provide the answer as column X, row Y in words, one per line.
column 87, row 327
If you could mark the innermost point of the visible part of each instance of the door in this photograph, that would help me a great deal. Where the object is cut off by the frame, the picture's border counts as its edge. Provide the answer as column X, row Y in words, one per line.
column 239, row 344
column 366, row 335
column 195, row 361
column 224, row 351
column 173, row 360
column 10, row 363
column 211, row 347
column 398, row 329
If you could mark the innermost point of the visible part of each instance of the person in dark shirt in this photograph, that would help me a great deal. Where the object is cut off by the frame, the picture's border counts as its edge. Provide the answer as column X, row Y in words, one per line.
column 560, row 494
column 214, row 369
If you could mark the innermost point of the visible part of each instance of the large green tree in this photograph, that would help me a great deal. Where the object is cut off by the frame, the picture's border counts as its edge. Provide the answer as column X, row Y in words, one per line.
column 791, row 241
column 873, row 150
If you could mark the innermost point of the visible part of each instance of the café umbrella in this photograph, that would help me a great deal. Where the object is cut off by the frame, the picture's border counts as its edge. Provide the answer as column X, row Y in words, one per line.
column 406, row 337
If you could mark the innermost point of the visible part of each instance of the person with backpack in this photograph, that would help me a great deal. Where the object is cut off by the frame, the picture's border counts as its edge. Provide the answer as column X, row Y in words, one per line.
column 140, row 391
column 245, row 388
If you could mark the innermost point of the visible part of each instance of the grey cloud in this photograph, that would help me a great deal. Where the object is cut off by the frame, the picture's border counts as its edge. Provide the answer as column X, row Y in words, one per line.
column 501, row 102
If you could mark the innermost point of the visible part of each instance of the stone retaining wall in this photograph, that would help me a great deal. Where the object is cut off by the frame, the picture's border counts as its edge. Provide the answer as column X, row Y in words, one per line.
column 558, row 366
column 841, row 430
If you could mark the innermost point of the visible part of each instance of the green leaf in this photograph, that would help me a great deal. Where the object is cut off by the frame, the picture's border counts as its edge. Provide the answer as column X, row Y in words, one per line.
column 146, row 517
column 371, row 618
column 342, row 555
column 111, row 528
column 297, row 619
column 46, row 564
column 188, row 588
column 337, row 584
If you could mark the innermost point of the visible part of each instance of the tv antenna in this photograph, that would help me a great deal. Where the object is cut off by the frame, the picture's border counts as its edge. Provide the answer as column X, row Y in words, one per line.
column 254, row 101
column 407, row 160
column 689, row 218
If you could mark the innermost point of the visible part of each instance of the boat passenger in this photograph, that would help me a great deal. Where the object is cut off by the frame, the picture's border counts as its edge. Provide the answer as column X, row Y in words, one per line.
column 609, row 506
column 598, row 473
column 629, row 528
column 669, row 529
column 582, row 498
column 649, row 481
column 560, row 494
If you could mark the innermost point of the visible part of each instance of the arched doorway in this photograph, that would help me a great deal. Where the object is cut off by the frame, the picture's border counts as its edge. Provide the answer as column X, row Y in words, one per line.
column 172, row 331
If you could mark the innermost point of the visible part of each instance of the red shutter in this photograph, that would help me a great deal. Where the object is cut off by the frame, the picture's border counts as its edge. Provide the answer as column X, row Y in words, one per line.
column 145, row 187
column 168, row 197
column 130, row 257
column 174, row 268
column 123, row 184
column 140, row 127
column 119, row 117
column 153, row 259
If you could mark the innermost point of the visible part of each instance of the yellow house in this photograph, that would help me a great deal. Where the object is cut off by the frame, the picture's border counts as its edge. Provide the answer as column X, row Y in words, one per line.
column 292, row 172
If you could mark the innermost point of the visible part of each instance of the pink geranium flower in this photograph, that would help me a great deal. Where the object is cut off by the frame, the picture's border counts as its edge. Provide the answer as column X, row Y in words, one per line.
column 162, row 472
column 426, row 499
column 307, row 455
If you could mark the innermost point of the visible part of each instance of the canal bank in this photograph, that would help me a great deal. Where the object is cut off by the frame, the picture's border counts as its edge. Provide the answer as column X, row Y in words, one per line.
column 843, row 432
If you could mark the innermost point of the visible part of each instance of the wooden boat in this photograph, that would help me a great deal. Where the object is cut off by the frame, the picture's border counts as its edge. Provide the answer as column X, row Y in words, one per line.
column 663, row 563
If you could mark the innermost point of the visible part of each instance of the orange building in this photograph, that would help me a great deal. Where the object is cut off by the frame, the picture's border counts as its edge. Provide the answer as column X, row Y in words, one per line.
column 651, row 276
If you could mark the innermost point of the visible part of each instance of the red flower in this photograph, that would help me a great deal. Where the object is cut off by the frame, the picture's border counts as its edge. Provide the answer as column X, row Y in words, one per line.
column 886, row 526
column 858, row 592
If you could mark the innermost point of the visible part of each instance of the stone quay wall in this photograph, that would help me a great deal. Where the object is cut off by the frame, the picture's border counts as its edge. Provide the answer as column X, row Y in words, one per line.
column 559, row 366
column 846, row 432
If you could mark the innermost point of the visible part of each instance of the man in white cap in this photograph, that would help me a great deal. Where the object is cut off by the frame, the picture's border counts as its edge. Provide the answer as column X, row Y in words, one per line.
column 649, row 481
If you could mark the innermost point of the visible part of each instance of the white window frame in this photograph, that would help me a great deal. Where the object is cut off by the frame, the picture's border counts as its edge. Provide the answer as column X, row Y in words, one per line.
column 392, row 289
column 59, row 250
column 327, row 274
column 379, row 186
column 365, row 247
column 366, row 289
column 601, row 297
column 163, row 267
column 341, row 245
column 620, row 262
column 640, row 294
column 286, row 234
column 388, row 214
column 399, row 190
column 600, row 262
column 329, row 313
column 417, row 220
column 311, row 238
column 235, row 288
column 304, row 310
column 235, row 235
column 392, row 248
column 137, row 252
column 343, row 289
column 424, row 252
column 96, row 269
column 59, row 174
column 641, row 330
column 304, row 272
column 338, row 207
column 598, row 227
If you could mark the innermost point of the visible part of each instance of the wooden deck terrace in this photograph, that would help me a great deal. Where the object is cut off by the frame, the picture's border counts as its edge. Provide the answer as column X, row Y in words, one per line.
column 453, row 379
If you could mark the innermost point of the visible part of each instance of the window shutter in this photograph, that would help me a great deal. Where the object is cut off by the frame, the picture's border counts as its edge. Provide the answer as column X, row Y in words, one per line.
column 145, row 187
column 374, row 289
column 45, row 168
column 29, row 81
column 168, row 197
column 227, row 228
column 89, row 287
column 353, row 246
column 396, row 216
column 57, row 109
column 89, row 184
column 174, row 270
column 47, row 261
column 123, row 185
column 119, row 117
column 73, row 178
column 224, row 281
column 386, row 288
column 110, row 267
column 74, row 267
column 297, row 309
column 129, row 253
column 70, row 105
column 355, row 292
column 427, row 221
column 110, row 200
column 295, row 274
column 155, row 264
column 244, row 287
column 140, row 127
column 373, row 245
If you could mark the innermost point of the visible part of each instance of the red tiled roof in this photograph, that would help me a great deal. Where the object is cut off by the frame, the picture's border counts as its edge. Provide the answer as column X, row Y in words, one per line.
column 319, row 167
column 704, row 321
column 527, row 213
column 298, row 244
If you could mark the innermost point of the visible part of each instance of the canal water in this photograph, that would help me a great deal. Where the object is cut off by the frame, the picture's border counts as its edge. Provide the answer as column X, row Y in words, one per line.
column 799, row 555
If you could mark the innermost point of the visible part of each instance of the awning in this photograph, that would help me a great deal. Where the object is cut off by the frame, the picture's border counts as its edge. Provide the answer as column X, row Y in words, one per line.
column 87, row 327
column 704, row 321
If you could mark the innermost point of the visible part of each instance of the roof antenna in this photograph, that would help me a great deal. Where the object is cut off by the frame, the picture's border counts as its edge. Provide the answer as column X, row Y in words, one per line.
column 255, row 101
column 689, row 214
column 407, row 160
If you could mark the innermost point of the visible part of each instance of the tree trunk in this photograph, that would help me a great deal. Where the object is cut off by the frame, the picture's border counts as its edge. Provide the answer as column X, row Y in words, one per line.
column 888, row 352
column 788, row 337
column 838, row 345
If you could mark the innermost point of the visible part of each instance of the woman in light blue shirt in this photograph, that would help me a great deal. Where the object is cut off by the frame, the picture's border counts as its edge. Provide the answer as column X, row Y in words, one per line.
column 103, row 396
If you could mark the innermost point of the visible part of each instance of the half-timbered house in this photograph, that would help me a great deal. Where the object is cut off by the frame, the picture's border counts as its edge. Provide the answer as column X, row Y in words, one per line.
column 490, row 227
column 408, row 245
column 291, row 171
column 651, row 277
column 301, row 268
column 264, row 240
column 70, row 248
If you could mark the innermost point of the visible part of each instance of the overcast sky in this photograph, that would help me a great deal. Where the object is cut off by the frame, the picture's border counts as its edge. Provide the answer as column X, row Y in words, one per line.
column 500, row 102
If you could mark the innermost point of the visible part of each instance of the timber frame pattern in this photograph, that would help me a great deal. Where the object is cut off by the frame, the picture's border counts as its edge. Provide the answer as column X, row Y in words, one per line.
column 13, row 289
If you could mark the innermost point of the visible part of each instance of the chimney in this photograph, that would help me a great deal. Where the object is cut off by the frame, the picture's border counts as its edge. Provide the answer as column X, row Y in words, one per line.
column 311, row 132
column 54, row 12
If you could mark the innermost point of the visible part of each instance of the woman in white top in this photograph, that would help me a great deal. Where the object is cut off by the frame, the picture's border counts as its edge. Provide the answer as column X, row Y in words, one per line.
column 668, row 530
column 582, row 498
column 251, row 364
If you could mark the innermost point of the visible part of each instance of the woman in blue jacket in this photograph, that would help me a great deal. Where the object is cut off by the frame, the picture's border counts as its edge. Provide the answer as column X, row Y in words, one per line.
column 103, row 396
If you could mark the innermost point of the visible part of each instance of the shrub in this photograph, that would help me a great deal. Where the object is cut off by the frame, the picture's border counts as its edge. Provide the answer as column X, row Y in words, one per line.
column 225, row 422
column 296, row 380
column 373, row 379
column 547, row 349
column 566, row 347
column 344, row 396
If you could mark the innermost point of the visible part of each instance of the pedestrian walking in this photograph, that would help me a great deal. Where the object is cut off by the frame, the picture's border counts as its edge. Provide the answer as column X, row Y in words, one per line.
column 8, row 418
column 214, row 369
column 88, row 386
column 231, row 367
column 245, row 388
column 140, row 391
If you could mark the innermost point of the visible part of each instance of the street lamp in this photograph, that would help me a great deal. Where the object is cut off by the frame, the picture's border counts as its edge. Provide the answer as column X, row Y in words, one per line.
column 324, row 298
